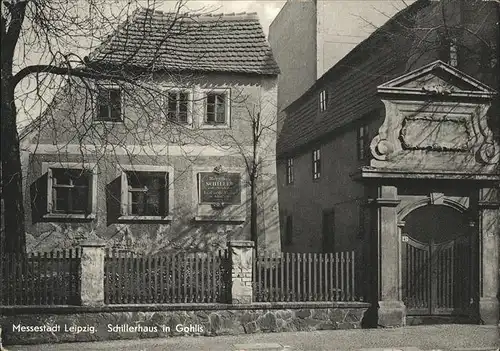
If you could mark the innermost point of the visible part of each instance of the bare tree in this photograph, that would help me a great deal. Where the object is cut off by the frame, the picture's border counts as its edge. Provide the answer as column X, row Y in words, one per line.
column 59, row 34
column 257, row 148
column 465, row 34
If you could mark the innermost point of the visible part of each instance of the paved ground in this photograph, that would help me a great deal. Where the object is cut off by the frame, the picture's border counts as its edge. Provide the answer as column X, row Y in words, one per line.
column 435, row 337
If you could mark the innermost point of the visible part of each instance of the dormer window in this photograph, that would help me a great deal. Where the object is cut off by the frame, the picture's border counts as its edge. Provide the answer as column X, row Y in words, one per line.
column 323, row 100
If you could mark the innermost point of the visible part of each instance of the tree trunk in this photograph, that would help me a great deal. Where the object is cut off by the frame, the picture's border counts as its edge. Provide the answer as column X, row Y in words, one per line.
column 13, row 231
column 253, row 212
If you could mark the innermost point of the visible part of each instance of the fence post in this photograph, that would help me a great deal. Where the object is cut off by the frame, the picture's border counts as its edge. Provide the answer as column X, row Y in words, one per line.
column 241, row 256
column 92, row 273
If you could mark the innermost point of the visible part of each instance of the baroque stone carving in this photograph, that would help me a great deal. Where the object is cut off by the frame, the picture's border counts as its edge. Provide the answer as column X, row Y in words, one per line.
column 427, row 133
column 437, row 89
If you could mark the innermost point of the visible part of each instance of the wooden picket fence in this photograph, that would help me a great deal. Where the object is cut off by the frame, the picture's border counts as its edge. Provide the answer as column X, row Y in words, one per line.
column 306, row 277
column 166, row 278
column 49, row 278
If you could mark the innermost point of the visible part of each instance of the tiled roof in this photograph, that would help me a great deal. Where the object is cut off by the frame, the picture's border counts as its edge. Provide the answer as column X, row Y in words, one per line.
column 166, row 41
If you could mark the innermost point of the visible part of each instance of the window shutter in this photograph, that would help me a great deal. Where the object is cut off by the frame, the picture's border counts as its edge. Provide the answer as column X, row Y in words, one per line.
column 166, row 192
column 124, row 194
column 50, row 200
column 92, row 188
column 198, row 192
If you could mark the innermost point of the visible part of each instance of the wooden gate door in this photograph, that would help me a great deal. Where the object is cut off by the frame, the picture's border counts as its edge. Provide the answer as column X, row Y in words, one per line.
column 437, row 277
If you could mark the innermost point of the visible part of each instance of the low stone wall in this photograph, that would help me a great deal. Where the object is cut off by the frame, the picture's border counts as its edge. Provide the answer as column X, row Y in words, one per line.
column 34, row 325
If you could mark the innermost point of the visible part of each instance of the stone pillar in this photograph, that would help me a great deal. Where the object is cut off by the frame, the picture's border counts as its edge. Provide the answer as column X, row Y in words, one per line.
column 489, row 217
column 392, row 311
column 241, row 253
column 92, row 273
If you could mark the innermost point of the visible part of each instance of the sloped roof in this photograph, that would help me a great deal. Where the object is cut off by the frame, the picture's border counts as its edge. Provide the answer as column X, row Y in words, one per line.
column 354, row 79
column 179, row 42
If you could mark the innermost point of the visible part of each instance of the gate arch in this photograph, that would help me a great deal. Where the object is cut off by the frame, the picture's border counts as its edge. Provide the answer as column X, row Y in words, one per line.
column 436, row 257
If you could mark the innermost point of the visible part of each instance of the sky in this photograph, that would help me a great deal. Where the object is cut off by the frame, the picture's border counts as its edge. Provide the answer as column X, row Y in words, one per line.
column 355, row 20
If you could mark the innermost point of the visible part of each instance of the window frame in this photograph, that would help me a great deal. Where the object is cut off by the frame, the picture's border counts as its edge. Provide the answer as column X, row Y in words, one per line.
column 289, row 170
column 108, row 86
column 362, row 142
column 316, row 163
column 47, row 168
column 125, row 204
column 190, row 99
column 323, row 100
column 227, row 115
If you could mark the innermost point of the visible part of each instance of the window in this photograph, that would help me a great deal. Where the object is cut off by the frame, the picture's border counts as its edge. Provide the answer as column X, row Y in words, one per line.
column 216, row 108
column 145, row 193
column 178, row 106
column 109, row 104
column 288, row 230
column 448, row 51
column 70, row 191
column 323, row 100
column 328, row 230
column 362, row 140
column 289, row 170
column 316, row 164
column 453, row 55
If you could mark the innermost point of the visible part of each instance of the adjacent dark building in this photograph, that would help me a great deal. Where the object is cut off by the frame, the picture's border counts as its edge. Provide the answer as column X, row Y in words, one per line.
column 394, row 152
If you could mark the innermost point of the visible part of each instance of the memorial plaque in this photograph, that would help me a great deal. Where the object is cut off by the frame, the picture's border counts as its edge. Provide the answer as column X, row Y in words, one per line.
column 220, row 188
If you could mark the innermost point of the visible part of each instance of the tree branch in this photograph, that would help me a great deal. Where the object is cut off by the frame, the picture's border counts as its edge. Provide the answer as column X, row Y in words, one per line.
column 63, row 71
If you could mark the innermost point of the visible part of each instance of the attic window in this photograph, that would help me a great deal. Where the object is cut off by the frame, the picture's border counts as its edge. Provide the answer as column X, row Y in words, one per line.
column 178, row 106
column 323, row 100
column 109, row 104
column 217, row 109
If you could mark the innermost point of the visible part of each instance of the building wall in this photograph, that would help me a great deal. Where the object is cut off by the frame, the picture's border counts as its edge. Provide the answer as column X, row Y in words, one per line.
column 144, row 138
column 306, row 199
column 292, row 36
column 352, row 90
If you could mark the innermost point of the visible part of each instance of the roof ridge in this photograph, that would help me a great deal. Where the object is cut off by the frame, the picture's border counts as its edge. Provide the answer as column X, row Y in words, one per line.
column 201, row 16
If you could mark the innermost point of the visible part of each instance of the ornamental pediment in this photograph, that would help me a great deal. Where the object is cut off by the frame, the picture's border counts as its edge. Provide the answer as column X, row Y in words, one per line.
column 437, row 78
column 435, row 119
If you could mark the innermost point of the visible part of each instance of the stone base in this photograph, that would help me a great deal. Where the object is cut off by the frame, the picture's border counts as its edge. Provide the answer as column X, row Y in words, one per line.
column 123, row 322
column 489, row 310
column 391, row 314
